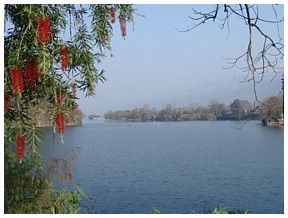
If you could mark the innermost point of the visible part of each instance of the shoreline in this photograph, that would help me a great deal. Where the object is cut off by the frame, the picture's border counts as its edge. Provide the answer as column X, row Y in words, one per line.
column 70, row 124
column 270, row 124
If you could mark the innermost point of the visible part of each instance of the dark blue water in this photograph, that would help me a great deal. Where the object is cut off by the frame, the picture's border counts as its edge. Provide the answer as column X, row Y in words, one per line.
column 178, row 167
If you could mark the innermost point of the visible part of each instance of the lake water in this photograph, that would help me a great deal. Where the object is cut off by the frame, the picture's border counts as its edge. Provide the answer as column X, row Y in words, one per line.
column 178, row 167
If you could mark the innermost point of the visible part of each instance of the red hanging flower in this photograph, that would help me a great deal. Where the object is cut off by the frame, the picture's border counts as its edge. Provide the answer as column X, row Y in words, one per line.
column 31, row 74
column 64, row 58
column 43, row 29
column 122, row 21
column 6, row 103
column 112, row 14
column 17, row 81
column 20, row 146
column 60, row 122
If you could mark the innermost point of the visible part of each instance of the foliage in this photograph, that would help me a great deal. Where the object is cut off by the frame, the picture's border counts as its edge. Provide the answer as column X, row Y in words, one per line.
column 238, row 110
column 272, row 108
column 28, row 190
column 156, row 210
column 50, row 52
column 218, row 210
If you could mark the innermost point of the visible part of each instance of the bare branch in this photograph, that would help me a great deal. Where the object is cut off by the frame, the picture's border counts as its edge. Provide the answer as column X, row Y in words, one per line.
column 258, row 62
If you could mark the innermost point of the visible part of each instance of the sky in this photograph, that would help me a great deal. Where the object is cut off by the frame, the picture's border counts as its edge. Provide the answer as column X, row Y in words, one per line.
column 158, row 65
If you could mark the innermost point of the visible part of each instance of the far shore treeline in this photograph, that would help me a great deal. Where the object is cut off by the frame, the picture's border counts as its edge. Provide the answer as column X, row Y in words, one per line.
column 270, row 110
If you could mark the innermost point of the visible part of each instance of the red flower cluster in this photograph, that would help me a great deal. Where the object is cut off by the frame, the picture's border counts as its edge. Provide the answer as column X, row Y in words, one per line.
column 64, row 58
column 31, row 74
column 60, row 122
column 43, row 29
column 112, row 14
column 59, row 117
column 123, row 26
column 20, row 146
column 17, row 81
column 6, row 103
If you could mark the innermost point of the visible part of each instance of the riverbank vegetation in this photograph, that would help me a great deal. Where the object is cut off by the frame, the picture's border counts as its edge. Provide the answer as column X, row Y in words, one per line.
column 216, row 210
column 271, row 110
column 28, row 187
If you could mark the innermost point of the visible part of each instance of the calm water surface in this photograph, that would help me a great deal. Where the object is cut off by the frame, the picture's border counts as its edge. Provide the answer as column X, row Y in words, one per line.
column 178, row 167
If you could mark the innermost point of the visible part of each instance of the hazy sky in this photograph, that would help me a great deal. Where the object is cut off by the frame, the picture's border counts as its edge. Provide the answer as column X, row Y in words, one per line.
column 157, row 65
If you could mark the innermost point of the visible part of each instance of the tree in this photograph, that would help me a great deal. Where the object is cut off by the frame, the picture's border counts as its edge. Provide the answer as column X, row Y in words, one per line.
column 259, row 59
column 169, row 113
column 218, row 109
column 240, row 109
column 272, row 108
column 51, row 51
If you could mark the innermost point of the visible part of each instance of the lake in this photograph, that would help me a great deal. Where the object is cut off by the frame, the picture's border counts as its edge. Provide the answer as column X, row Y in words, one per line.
column 178, row 167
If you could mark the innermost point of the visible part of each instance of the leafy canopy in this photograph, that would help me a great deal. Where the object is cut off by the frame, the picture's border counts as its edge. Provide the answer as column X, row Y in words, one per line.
column 50, row 52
